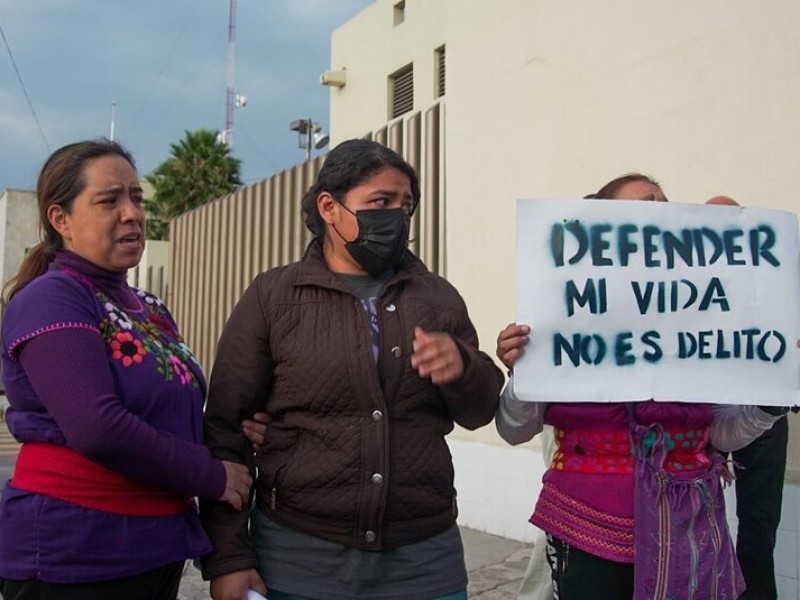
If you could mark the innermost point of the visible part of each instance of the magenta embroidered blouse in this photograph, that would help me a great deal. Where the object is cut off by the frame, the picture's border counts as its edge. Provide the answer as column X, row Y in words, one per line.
column 587, row 493
column 93, row 364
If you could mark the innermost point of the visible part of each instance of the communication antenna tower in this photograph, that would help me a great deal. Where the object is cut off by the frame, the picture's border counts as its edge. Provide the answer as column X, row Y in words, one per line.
column 232, row 99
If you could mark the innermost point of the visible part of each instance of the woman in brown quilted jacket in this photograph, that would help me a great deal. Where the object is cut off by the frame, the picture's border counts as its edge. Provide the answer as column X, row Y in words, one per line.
column 363, row 360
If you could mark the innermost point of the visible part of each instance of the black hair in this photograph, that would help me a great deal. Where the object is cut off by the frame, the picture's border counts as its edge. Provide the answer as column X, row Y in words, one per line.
column 347, row 166
column 609, row 190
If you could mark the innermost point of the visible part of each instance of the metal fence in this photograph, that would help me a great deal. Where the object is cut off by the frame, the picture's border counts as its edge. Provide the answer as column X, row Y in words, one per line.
column 217, row 249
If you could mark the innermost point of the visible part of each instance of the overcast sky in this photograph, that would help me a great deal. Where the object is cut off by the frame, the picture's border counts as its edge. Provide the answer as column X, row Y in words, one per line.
column 163, row 62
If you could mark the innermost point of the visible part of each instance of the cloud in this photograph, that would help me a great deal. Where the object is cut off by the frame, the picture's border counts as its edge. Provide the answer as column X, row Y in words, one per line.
column 164, row 64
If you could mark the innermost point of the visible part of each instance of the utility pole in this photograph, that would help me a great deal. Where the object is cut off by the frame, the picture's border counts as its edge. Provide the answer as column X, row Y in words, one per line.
column 113, row 119
column 230, row 94
column 310, row 135
column 232, row 99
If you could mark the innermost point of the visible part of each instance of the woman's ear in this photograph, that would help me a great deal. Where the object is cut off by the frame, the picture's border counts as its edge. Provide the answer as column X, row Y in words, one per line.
column 326, row 205
column 59, row 220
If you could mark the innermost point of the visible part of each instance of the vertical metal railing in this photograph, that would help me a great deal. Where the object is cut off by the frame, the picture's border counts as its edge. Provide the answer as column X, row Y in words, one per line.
column 216, row 250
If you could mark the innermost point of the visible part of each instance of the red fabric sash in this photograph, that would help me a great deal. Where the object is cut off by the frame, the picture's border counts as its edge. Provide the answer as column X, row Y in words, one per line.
column 609, row 451
column 63, row 473
column 585, row 451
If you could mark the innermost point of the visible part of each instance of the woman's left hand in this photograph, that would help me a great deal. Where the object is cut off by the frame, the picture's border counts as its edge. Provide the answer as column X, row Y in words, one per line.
column 436, row 357
column 255, row 429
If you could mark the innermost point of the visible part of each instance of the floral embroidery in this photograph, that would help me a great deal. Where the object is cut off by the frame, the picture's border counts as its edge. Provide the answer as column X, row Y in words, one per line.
column 149, row 333
column 150, row 298
column 161, row 323
column 126, row 348
column 180, row 369
column 187, row 353
column 118, row 316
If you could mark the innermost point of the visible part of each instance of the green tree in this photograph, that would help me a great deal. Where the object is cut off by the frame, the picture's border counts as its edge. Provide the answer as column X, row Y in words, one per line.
column 200, row 169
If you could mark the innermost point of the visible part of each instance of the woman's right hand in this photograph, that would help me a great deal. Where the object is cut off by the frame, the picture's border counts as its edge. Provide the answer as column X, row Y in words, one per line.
column 510, row 343
column 237, row 484
column 234, row 586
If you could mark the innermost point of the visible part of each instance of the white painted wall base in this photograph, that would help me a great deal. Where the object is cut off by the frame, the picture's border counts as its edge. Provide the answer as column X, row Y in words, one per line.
column 498, row 487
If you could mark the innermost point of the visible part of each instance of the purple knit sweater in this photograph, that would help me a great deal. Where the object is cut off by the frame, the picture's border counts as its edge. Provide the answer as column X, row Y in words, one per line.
column 95, row 365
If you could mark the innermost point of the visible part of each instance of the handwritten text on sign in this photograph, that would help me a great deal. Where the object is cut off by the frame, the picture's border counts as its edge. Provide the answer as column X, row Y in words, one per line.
column 634, row 300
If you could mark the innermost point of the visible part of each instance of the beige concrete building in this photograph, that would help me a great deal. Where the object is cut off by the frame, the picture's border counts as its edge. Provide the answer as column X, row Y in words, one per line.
column 19, row 215
column 552, row 99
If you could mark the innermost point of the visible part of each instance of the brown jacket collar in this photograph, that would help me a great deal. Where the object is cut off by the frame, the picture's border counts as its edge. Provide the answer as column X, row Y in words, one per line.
column 312, row 269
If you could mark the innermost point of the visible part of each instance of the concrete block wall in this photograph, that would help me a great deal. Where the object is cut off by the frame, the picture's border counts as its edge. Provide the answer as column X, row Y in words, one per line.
column 18, row 229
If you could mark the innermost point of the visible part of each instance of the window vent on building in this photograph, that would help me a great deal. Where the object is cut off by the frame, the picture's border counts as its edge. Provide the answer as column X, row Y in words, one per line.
column 440, row 72
column 402, row 90
column 399, row 12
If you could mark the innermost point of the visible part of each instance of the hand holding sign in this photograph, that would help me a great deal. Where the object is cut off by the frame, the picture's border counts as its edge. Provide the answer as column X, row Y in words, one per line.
column 510, row 344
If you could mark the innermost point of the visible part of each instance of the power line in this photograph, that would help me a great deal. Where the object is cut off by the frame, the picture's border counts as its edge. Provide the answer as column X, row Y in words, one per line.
column 24, row 90
column 189, row 16
column 270, row 159
column 303, row 36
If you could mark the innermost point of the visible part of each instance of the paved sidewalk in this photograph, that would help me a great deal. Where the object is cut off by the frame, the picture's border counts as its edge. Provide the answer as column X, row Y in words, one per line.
column 495, row 564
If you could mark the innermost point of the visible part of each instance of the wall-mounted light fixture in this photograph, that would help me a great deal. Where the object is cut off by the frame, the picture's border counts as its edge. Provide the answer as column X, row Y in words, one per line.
column 337, row 78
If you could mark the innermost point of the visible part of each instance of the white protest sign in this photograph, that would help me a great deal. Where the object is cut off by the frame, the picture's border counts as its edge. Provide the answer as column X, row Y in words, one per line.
column 635, row 300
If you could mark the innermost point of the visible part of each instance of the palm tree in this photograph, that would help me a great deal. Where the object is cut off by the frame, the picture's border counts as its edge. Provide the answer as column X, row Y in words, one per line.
column 200, row 169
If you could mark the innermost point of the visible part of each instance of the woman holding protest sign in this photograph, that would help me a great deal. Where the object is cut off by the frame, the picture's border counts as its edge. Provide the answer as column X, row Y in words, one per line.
column 632, row 480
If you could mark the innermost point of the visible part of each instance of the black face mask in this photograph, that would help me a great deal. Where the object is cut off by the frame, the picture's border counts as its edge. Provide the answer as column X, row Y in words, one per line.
column 382, row 238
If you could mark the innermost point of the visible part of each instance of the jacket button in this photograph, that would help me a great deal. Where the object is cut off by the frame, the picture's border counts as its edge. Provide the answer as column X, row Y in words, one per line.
column 377, row 415
column 376, row 478
column 397, row 352
column 391, row 308
column 369, row 536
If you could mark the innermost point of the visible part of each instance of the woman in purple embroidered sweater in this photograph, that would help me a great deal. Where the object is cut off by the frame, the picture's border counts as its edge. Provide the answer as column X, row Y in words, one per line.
column 106, row 399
